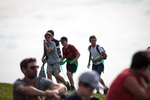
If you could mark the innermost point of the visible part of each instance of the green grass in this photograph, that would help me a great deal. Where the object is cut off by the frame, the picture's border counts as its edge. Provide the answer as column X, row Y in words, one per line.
column 6, row 92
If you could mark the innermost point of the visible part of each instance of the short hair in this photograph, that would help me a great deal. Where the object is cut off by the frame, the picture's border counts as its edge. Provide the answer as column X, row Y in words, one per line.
column 51, row 31
column 48, row 34
column 140, row 60
column 63, row 39
column 92, row 37
column 24, row 62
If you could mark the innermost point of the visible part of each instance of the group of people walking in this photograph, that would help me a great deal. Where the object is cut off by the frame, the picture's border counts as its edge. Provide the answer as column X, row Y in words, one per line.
column 129, row 84
column 52, row 56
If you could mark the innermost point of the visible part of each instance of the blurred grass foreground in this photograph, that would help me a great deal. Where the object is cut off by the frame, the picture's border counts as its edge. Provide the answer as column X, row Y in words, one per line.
column 6, row 92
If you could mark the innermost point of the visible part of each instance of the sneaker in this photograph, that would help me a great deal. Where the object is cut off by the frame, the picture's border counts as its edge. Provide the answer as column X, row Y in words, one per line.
column 105, row 91
column 72, row 88
column 68, row 87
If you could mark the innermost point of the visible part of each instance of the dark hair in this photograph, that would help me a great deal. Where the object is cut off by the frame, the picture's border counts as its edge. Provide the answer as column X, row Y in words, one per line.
column 85, row 84
column 92, row 37
column 51, row 31
column 140, row 60
column 63, row 39
column 148, row 47
column 24, row 62
column 48, row 34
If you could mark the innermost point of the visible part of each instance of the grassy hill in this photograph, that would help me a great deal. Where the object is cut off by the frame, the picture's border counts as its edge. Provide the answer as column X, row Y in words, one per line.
column 6, row 92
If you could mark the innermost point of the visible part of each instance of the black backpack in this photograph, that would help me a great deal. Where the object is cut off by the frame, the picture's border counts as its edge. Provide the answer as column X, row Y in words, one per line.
column 97, row 50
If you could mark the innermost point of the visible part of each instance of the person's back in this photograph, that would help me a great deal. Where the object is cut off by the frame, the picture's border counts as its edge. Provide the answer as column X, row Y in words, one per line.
column 130, row 84
column 117, row 88
column 73, row 96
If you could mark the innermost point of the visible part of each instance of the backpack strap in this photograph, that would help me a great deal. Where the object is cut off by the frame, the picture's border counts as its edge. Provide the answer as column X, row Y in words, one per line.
column 71, row 49
column 98, row 49
column 90, row 48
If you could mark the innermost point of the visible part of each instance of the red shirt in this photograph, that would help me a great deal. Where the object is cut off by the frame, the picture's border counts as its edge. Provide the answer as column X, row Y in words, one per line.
column 117, row 91
column 68, row 53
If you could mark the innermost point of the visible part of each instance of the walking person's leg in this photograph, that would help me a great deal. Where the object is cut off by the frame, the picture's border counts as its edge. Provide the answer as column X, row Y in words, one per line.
column 70, row 69
column 100, row 69
column 56, row 72
column 70, row 77
column 94, row 67
column 49, row 71
column 58, row 79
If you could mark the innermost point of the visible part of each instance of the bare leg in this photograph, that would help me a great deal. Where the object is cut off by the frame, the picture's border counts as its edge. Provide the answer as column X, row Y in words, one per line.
column 102, row 82
column 58, row 81
column 70, row 76
column 49, row 75
column 60, row 78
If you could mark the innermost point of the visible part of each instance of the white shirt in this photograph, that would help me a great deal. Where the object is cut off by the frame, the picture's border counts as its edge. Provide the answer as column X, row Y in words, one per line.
column 95, row 53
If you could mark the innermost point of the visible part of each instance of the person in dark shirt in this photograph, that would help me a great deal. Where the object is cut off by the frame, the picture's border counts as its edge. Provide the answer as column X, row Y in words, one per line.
column 32, row 87
column 88, row 81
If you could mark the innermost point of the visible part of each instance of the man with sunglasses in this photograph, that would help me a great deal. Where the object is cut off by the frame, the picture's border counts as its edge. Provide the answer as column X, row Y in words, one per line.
column 53, row 65
column 32, row 87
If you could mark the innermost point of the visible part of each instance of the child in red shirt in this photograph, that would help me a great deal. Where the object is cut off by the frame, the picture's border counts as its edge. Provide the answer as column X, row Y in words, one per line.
column 71, row 54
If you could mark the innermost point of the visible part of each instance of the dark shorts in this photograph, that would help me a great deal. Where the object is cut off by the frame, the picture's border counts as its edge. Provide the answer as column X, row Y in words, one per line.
column 71, row 67
column 99, row 68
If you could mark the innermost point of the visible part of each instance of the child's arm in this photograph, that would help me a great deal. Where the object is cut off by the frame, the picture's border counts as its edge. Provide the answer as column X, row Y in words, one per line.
column 77, row 56
column 47, row 49
column 104, row 56
column 62, row 58
column 88, row 66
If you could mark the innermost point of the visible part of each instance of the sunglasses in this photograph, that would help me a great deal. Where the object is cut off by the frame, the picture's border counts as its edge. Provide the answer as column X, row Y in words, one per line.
column 34, row 67
column 47, row 37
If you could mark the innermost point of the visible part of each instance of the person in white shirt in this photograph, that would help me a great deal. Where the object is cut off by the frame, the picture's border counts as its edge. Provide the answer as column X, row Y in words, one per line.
column 97, row 54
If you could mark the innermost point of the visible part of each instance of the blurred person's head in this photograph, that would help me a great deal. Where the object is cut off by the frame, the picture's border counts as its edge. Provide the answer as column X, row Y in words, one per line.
column 48, row 37
column 64, row 41
column 140, row 62
column 29, row 68
column 52, row 32
column 93, row 40
column 88, row 81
